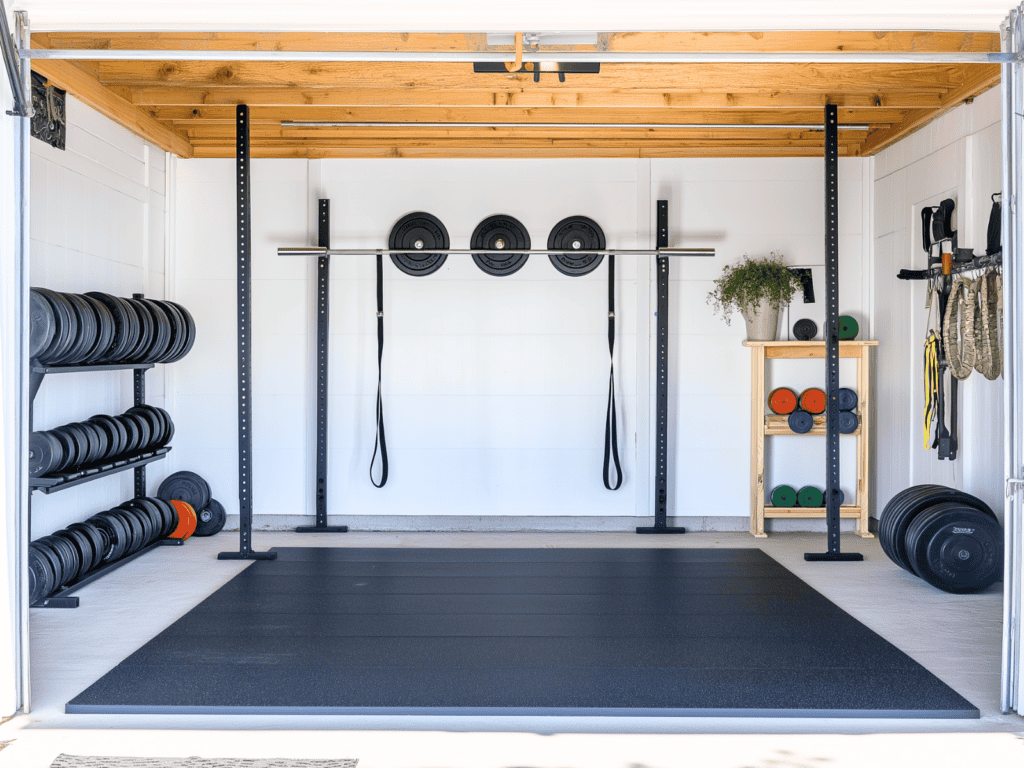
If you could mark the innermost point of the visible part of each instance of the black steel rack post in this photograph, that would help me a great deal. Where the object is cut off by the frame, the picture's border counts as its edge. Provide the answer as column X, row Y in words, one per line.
column 832, row 342
column 323, row 316
column 661, row 408
column 245, row 550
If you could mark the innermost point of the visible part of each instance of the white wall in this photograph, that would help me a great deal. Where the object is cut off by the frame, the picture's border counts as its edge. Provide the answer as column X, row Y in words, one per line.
column 494, row 388
column 958, row 156
column 98, row 212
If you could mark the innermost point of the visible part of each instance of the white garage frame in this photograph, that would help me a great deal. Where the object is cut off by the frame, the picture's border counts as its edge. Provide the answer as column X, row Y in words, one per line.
column 14, row 603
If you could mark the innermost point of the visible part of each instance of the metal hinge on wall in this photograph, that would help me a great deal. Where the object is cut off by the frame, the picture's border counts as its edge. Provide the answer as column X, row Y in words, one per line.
column 49, row 121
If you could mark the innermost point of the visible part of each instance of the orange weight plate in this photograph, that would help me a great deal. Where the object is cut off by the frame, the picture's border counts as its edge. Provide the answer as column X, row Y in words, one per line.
column 782, row 400
column 187, row 520
column 813, row 400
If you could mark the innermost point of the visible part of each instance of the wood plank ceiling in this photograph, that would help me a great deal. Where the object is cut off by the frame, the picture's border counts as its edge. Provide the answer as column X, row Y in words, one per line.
column 187, row 107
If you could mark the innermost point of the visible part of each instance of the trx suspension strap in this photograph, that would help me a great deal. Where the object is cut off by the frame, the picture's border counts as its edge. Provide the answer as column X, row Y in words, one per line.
column 611, row 434
column 379, row 441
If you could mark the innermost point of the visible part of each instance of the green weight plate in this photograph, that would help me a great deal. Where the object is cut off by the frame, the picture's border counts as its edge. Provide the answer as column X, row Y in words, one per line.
column 809, row 496
column 848, row 328
column 783, row 496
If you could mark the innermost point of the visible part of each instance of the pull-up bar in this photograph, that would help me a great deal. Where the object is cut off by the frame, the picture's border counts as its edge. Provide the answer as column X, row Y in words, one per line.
column 657, row 252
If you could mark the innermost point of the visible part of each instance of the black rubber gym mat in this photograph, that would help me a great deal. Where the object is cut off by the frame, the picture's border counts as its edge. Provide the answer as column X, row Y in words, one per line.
column 678, row 632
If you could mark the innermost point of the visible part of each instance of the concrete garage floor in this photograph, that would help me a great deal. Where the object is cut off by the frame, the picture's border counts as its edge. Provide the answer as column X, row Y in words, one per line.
column 957, row 637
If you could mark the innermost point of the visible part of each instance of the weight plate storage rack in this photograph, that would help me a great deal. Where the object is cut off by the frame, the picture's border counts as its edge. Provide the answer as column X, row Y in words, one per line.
column 52, row 484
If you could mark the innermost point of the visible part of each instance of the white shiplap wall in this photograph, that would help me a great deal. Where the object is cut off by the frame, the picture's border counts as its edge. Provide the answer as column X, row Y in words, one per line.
column 494, row 387
column 98, row 213
column 958, row 156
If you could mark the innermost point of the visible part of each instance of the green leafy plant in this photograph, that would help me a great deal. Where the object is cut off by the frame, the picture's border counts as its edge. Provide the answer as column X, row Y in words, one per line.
column 746, row 284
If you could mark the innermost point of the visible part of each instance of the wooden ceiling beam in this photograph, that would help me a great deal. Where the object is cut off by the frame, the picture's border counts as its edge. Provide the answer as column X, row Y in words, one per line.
column 882, row 138
column 769, row 41
column 185, row 115
column 730, row 78
column 513, row 152
column 87, row 89
column 779, row 97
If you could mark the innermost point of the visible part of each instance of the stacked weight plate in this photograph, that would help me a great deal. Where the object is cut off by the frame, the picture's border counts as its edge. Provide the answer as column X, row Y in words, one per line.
column 190, row 493
column 69, row 555
column 99, row 441
column 99, row 329
column 949, row 538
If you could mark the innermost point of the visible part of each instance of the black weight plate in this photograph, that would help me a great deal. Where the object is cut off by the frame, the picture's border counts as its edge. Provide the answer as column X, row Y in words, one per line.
column 74, row 445
column 156, row 516
column 168, row 422
column 42, row 577
column 500, row 233
column 47, row 549
column 83, row 547
column 846, row 399
column 169, row 514
column 115, row 532
column 161, row 332
column 125, row 539
column 131, row 426
column 140, row 512
column 956, row 548
column 145, row 431
column 419, row 232
column 67, row 448
column 178, row 329
column 66, row 557
column 110, row 436
column 136, row 529
column 186, row 486
column 576, row 235
column 42, row 324
column 847, row 422
column 146, row 330
column 805, row 329
column 211, row 519
column 153, row 422
column 121, row 341
column 104, row 330
column 94, row 332
column 45, row 454
column 85, row 337
column 120, row 442
column 64, row 336
column 100, row 542
column 95, row 542
column 96, row 439
column 801, row 422
column 165, row 426
column 82, row 447
column 901, row 510
column 190, row 332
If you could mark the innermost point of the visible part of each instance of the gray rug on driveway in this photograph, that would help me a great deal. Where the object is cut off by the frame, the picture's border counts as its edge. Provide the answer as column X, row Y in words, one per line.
column 94, row 761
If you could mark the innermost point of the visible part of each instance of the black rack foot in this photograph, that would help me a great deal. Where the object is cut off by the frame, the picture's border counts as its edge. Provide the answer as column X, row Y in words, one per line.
column 814, row 557
column 661, row 529
column 322, row 529
column 171, row 542
column 247, row 556
column 57, row 602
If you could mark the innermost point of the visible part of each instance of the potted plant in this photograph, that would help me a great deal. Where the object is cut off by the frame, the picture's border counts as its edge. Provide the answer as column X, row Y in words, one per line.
column 757, row 289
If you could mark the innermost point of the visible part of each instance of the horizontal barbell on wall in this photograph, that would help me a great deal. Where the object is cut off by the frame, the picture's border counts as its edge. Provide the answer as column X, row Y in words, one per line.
column 657, row 252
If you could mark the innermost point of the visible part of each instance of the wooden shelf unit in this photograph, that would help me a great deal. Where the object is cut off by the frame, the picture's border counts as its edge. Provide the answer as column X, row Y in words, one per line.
column 763, row 424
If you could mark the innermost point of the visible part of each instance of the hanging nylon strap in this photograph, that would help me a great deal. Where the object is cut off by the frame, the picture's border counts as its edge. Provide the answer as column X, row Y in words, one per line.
column 611, row 433
column 379, row 441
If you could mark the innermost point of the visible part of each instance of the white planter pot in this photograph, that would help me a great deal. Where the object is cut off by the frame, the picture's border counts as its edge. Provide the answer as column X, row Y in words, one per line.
column 762, row 322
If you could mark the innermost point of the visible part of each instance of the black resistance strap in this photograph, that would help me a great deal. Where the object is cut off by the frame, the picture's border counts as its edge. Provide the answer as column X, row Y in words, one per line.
column 611, row 433
column 380, row 441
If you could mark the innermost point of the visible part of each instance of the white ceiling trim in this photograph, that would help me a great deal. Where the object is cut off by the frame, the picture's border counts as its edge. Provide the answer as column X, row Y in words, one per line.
column 522, row 15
